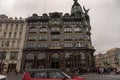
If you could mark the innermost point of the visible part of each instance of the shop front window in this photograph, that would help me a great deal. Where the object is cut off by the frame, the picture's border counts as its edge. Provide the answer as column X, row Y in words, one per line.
column 41, row 60
column 68, row 60
column 55, row 60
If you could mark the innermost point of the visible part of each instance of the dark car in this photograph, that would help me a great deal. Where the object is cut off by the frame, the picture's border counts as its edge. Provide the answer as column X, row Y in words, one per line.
column 48, row 74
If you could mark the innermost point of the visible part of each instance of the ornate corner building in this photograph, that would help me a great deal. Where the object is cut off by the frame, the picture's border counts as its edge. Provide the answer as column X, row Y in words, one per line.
column 60, row 41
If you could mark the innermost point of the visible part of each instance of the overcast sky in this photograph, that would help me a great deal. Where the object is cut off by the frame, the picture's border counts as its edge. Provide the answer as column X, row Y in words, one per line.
column 104, row 15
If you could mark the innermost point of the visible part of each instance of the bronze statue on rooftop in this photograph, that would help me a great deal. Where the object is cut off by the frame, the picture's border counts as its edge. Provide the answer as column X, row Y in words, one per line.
column 86, row 10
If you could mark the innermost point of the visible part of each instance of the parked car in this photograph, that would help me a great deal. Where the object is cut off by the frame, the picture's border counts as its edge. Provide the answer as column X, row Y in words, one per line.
column 3, row 77
column 48, row 74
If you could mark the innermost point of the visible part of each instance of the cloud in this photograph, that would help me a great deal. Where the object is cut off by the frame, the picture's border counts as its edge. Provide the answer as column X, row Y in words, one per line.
column 42, row 6
column 104, row 15
column 117, row 2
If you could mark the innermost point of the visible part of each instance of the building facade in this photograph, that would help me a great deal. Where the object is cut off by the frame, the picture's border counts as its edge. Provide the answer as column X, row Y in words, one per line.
column 110, row 59
column 12, row 36
column 60, row 41
column 99, row 60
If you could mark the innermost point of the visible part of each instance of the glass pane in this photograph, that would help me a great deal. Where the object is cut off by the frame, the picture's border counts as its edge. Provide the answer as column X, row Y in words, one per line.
column 55, row 55
column 41, row 56
column 30, row 56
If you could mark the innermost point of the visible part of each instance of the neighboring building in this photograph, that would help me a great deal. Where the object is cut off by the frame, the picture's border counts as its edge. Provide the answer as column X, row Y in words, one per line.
column 110, row 59
column 12, row 35
column 113, row 57
column 99, row 60
column 59, row 41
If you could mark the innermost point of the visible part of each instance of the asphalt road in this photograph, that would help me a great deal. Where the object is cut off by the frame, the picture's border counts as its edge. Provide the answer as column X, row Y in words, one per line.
column 101, row 77
column 89, row 76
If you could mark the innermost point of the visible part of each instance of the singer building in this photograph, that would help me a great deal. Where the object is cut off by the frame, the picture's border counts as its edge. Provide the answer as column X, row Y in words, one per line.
column 58, row 40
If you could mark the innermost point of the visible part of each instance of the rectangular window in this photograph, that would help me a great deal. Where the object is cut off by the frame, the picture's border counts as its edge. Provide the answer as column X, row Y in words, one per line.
column 31, row 45
column 55, row 36
column 42, row 45
column 4, row 34
column 68, row 36
column 79, row 44
column 2, row 55
column 11, row 27
column 6, row 27
column 15, row 34
column 32, row 37
column 20, row 34
column 43, row 37
column 21, row 27
column 55, row 44
column 2, row 45
column 78, row 36
column 13, row 44
column 68, row 44
column 13, row 55
column 10, row 34
column 7, row 43
column 18, row 44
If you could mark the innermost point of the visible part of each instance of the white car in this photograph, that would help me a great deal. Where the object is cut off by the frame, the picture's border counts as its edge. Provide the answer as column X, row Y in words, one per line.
column 3, row 77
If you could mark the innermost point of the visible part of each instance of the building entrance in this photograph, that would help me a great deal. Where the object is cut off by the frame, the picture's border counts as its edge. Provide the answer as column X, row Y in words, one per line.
column 55, row 65
column 55, row 60
column 12, row 68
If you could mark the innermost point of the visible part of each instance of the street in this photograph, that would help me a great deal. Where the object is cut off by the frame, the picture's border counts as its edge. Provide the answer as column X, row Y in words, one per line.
column 90, row 76
column 101, row 77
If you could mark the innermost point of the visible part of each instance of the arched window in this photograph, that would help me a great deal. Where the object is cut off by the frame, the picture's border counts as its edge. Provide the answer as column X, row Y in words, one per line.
column 41, row 56
column 41, row 60
column 29, row 61
column 55, row 60
column 68, row 60
column 30, row 56
column 55, row 56
column 67, row 29
column 43, row 29
column 68, row 55
column 33, row 29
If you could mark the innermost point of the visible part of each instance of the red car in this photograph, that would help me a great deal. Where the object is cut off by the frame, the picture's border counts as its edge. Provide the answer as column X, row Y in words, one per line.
column 48, row 74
